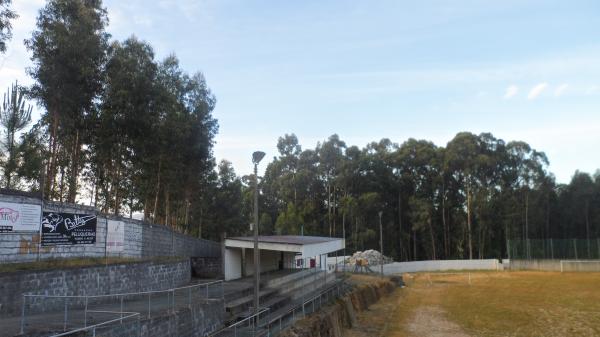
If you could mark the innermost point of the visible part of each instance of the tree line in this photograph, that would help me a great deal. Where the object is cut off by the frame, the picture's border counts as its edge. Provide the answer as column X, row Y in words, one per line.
column 464, row 200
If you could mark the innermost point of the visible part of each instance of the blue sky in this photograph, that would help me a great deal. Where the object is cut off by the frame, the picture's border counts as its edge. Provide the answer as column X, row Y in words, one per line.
column 522, row 70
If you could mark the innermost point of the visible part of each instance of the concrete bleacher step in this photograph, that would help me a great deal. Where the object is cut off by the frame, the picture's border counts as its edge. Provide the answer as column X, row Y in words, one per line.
column 240, row 304
column 307, row 285
column 274, row 303
column 294, row 303
column 241, row 291
column 280, row 293
column 277, row 282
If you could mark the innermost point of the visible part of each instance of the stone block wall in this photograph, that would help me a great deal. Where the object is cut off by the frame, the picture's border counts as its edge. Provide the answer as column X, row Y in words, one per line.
column 141, row 239
column 96, row 280
column 207, row 267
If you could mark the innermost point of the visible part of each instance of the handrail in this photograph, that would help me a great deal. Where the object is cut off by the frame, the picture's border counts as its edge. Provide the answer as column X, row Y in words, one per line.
column 125, row 294
column 234, row 325
column 171, row 292
column 249, row 317
column 92, row 327
column 337, row 284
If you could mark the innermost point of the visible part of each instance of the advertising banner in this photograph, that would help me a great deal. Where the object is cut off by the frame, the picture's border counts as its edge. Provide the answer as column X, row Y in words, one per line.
column 68, row 229
column 115, row 237
column 19, row 217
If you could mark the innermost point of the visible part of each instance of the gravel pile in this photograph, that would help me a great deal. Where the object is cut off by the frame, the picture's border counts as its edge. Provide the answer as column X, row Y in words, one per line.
column 372, row 256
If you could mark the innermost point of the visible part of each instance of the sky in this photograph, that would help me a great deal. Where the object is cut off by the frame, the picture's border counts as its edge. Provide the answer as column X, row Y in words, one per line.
column 366, row 70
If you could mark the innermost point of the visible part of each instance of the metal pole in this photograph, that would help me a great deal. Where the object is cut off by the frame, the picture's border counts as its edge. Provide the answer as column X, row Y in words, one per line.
column 85, row 313
column 344, row 237
column 121, row 309
column 106, row 243
column 381, row 243
column 303, row 283
column 42, row 188
column 23, row 315
column 256, row 251
column 149, row 304
column 173, row 300
column 324, row 276
column 223, row 294
column 65, row 316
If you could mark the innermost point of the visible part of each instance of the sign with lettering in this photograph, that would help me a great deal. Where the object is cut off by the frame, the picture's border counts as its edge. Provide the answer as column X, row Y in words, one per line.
column 115, row 237
column 19, row 217
column 68, row 229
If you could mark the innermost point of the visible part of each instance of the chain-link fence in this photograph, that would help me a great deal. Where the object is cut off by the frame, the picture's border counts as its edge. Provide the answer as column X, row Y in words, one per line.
column 78, row 313
column 559, row 249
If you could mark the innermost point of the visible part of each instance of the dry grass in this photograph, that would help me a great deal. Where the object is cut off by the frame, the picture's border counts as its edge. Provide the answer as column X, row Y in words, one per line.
column 494, row 304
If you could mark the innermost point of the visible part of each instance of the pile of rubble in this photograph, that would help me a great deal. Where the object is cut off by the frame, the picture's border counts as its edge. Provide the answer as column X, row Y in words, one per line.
column 371, row 256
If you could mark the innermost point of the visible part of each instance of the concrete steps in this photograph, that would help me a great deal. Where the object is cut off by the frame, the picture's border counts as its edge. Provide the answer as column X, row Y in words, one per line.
column 275, row 293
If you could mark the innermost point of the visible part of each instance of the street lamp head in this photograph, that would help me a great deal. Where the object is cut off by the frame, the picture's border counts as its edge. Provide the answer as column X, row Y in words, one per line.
column 257, row 157
column 380, row 213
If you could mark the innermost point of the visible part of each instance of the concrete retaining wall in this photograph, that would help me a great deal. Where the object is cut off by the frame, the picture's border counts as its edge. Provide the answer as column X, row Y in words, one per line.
column 141, row 239
column 555, row 265
column 547, row 265
column 96, row 280
column 438, row 265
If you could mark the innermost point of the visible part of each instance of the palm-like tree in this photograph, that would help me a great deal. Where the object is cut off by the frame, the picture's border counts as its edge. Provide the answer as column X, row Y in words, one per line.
column 14, row 117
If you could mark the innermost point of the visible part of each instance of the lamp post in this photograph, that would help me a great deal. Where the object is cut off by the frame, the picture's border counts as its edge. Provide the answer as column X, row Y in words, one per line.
column 256, row 158
column 381, row 244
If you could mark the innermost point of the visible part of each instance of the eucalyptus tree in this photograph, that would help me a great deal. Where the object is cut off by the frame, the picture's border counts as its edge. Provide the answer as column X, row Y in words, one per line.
column 331, row 153
column 226, row 212
column 68, row 53
column 6, row 15
column 461, row 154
column 120, row 142
column 32, row 153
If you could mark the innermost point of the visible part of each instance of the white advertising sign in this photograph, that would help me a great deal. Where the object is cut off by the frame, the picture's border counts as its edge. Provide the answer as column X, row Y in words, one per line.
column 115, row 236
column 19, row 217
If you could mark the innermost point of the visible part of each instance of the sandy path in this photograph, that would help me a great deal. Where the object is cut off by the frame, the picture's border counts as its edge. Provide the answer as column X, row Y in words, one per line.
column 431, row 321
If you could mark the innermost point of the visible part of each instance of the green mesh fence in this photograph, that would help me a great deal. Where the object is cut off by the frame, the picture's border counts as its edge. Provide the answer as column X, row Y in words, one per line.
column 554, row 249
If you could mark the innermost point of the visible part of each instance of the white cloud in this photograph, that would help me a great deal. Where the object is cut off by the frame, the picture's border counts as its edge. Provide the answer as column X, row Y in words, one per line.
column 511, row 91
column 537, row 90
column 560, row 89
column 592, row 90
column 142, row 20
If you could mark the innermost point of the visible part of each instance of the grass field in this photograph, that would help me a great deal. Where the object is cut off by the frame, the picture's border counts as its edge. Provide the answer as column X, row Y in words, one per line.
column 492, row 304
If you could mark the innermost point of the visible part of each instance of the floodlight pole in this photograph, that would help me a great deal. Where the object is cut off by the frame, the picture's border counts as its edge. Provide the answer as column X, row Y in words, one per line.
column 256, row 158
column 380, row 244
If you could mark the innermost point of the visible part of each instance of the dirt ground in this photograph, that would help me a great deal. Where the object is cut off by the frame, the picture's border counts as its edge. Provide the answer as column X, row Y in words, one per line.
column 491, row 304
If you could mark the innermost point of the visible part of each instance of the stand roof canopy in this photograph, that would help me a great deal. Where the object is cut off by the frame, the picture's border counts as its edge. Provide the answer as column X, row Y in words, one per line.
column 308, row 246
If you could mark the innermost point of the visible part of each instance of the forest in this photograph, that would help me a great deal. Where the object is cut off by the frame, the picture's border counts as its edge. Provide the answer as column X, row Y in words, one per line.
column 133, row 135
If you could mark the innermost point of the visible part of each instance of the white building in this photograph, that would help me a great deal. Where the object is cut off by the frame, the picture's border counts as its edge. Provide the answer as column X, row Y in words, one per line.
column 277, row 252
